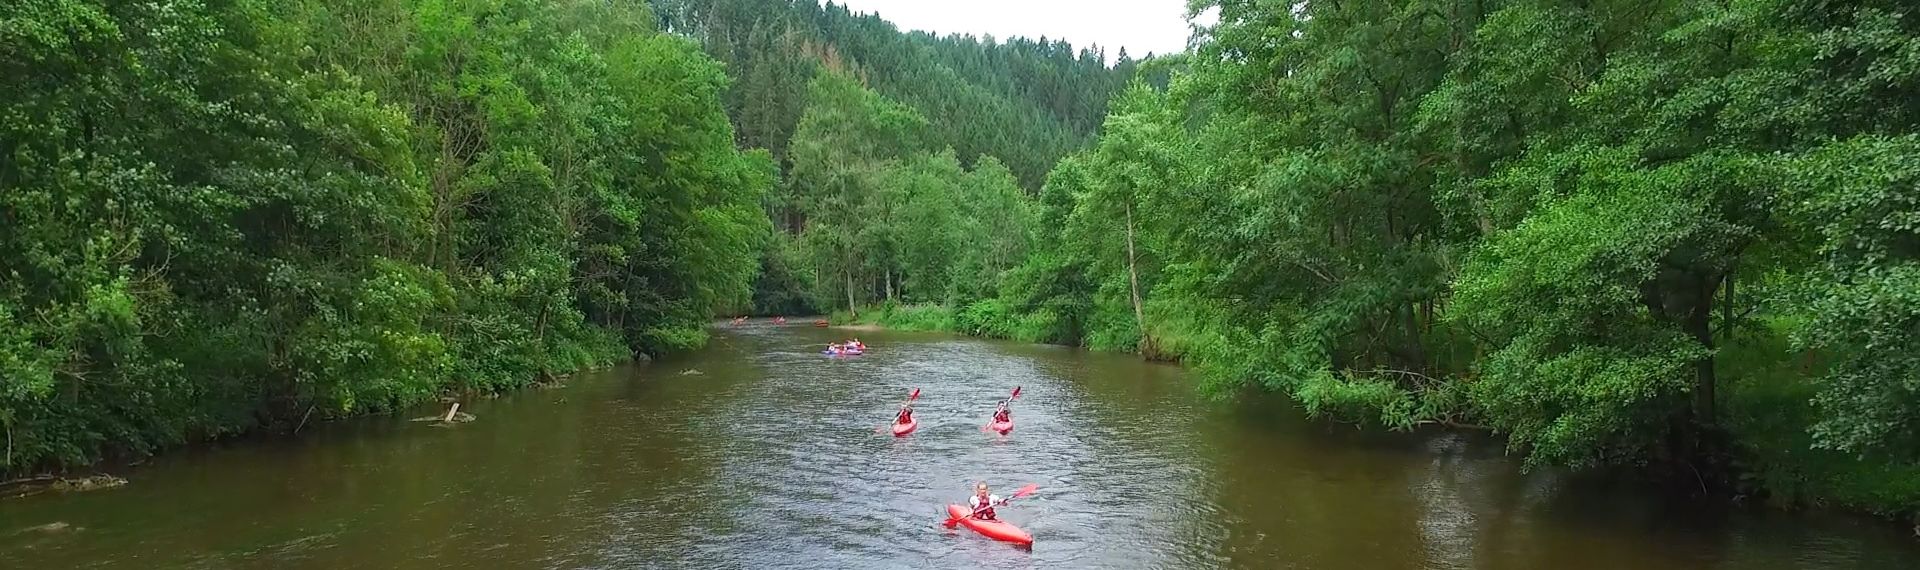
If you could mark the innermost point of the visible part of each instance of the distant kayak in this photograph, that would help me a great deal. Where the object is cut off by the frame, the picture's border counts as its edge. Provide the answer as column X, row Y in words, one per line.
column 843, row 352
column 900, row 429
column 993, row 529
column 1002, row 427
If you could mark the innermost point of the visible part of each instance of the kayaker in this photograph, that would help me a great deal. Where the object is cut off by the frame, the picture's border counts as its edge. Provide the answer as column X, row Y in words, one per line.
column 983, row 501
column 906, row 414
column 1002, row 415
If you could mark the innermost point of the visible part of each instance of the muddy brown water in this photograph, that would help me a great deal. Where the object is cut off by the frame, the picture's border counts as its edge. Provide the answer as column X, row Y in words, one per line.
column 769, row 458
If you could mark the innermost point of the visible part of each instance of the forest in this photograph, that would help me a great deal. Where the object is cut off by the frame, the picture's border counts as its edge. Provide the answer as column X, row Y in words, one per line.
column 1676, row 237
column 1680, row 238
column 228, row 215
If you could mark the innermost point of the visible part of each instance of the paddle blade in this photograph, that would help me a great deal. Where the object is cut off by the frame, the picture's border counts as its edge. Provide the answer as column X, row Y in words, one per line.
column 1016, row 393
column 916, row 395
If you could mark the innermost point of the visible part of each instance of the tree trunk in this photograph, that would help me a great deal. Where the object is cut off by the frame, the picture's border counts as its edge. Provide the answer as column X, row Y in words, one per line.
column 1409, row 316
column 1700, row 325
column 850, row 309
column 1726, row 308
column 1133, row 276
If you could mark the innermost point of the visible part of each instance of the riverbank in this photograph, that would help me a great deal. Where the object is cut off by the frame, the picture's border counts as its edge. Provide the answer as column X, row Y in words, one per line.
column 109, row 460
column 1767, row 418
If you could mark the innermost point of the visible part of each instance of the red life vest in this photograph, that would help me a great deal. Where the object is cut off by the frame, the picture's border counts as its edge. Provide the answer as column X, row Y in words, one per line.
column 984, row 510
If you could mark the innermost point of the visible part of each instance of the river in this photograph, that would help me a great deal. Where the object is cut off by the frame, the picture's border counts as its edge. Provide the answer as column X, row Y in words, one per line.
column 758, row 452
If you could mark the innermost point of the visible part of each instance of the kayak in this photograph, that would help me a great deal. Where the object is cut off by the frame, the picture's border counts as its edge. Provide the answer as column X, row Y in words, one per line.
column 994, row 529
column 843, row 352
column 900, row 429
column 1002, row 427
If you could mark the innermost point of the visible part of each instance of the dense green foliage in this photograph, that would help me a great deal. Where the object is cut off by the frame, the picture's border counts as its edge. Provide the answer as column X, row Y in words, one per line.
column 886, row 219
column 1027, row 102
column 903, row 155
column 1677, row 235
column 219, row 215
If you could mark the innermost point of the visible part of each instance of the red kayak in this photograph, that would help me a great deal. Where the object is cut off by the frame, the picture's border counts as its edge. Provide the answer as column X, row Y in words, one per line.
column 994, row 529
column 1001, row 427
column 900, row 429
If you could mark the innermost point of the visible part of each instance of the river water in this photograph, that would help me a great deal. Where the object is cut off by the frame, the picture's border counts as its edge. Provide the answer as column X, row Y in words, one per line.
column 758, row 452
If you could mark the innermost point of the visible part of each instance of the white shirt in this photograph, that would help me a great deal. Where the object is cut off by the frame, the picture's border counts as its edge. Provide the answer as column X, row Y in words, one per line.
column 974, row 501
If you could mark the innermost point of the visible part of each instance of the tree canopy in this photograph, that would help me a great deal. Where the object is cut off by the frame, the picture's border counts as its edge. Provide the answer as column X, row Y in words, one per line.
column 1676, row 235
column 231, row 214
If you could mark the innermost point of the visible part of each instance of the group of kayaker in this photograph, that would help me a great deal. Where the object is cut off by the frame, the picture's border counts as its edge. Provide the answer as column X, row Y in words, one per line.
column 853, row 346
column 1002, row 416
column 978, row 514
column 1002, row 422
column 742, row 319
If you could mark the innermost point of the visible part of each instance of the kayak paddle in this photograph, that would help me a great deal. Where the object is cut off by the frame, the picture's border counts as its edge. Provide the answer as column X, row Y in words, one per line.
column 1024, row 491
column 896, row 417
column 996, row 409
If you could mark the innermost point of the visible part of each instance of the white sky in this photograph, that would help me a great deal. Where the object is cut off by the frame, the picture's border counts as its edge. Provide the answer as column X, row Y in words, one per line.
column 1143, row 26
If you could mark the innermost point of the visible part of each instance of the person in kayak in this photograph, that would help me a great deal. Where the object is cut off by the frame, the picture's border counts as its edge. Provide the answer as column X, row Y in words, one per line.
column 906, row 414
column 1003, row 414
column 983, row 501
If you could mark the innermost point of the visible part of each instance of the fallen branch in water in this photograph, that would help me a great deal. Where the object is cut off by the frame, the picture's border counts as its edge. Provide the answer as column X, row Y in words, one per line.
column 303, row 420
column 28, row 486
column 453, row 416
column 27, row 481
